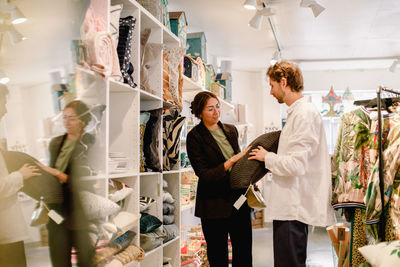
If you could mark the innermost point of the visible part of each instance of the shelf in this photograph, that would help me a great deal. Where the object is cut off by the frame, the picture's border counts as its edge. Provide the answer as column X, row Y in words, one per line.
column 188, row 169
column 94, row 178
column 188, row 206
column 171, row 172
column 171, row 241
column 149, row 173
column 190, row 89
column 122, row 175
column 121, row 87
column 148, row 253
column 169, row 36
column 148, row 96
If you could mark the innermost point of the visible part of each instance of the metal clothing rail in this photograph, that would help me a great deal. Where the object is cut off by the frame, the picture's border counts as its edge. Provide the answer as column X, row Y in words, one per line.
column 380, row 155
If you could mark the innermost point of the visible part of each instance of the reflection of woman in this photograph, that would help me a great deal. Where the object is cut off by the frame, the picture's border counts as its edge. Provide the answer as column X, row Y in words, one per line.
column 212, row 149
column 68, row 155
column 13, row 228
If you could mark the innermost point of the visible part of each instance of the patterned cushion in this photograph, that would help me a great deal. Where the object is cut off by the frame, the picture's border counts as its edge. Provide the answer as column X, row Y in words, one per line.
column 126, row 26
column 174, row 56
column 144, row 118
column 384, row 254
column 145, row 202
column 150, row 66
column 247, row 171
column 151, row 141
column 115, row 13
column 97, row 207
column 172, row 126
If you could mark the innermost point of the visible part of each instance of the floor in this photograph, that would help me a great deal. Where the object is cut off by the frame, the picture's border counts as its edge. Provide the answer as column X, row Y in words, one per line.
column 319, row 250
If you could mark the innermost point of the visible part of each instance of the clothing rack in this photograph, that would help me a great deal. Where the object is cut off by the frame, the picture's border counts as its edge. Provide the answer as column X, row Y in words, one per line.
column 380, row 155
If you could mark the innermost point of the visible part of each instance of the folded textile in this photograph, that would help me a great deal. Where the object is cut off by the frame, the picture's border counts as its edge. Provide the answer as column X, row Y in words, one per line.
column 171, row 231
column 168, row 219
column 168, row 208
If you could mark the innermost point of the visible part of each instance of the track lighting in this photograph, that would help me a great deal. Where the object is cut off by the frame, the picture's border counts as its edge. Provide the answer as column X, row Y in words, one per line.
column 394, row 65
column 256, row 21
column 276, row 57
column 315, row 7
column 17, row 17
column 3, row 77
column 250, row 4
column 15, row 36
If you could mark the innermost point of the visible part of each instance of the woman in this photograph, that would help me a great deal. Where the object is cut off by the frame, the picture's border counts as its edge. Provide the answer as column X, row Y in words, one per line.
column 212, row 149
column 13, row 228
column 68, row 155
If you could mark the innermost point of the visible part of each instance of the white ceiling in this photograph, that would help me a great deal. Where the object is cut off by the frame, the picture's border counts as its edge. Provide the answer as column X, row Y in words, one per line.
column 346, row 29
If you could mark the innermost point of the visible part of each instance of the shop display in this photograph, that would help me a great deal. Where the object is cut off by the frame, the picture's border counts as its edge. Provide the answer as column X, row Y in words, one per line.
column 150, row 143
column 197, row 45
column 179, row 25
column 126, row 26
column 225, row 79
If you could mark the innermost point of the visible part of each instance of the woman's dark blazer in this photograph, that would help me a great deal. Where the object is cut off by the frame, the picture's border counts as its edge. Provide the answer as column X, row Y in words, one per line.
column 77, row 167
column 214, row 197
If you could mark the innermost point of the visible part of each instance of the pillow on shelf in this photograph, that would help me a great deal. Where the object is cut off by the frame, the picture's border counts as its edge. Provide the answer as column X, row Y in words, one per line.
column 115, row 14
column 151, row 142
column 167, row 197
column 97, row 207
column 168, row 208
column 125, row 240
column 145, row 203
column 384, row 254
column 168, row 219
column 172, row 127
column 174, row 56
column 126, row 26
column 247, row 171
column 144, row 37
column 171, row 231
column 125, row 220
column 120, row 194
column 150, row 66
column 149, row 223
column 144, row 118
column 151, row 240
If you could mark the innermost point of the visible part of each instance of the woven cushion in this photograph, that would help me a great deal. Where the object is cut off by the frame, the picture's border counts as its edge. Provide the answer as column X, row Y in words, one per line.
column 149, row 223
column 384, row 254
column 247, row 171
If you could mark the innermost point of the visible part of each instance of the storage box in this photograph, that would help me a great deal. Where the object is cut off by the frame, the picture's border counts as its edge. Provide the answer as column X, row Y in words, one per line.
column 179, row 25
column 225, row 79
column 197, row 45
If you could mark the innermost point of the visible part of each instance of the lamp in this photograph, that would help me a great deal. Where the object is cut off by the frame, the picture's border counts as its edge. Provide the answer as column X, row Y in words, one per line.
column 256, row 21
column 394, row 65
column 276, row 57
column 250, row 4
column 16, row 16
column 14, row 35
column 3, row 77
column 315, row 7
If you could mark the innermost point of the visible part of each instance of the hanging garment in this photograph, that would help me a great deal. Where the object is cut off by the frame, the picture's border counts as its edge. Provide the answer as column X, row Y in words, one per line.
column 351, row 164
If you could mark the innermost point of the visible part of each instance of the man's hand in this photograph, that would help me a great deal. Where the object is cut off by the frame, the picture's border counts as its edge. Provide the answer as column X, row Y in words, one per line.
column 258, row 153
column 29, row 171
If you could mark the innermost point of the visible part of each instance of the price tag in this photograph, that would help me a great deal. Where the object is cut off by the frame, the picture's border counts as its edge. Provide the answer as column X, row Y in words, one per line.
column 239, row 202
column 55, row 216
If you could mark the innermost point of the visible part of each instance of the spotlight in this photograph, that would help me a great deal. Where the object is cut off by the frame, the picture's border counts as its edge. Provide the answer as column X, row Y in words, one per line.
column 17, row 17
column 315, row 7
column 256, row 21
column 3, row 77
column 394, row 65
column 14, row 35
column 250, row 4
column 275, row 58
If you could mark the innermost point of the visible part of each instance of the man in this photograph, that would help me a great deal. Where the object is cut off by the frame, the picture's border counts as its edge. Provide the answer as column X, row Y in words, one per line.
column 301, row 184
column 13, row 229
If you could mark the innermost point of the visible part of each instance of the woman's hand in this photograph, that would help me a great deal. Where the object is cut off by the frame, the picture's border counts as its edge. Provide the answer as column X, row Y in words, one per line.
column 258, row 154
column 60, row 175
column 230, row 162
column 29, row 171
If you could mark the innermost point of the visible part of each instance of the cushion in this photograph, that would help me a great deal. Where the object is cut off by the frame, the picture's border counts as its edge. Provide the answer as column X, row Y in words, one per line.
column 151, row 142
column 168, row 208
column 126, row 26
column 144, row 118
column 172, row 127
column 167, row 197
column 151, row 240
column 125, row 240
column 145, row 203
column 150, row 66
column 120, row 194
column 168, row 219
column 246, row 172
column 149, row 223
column 115, row 14
column 384, row 254
column 171, row 231
column 45, row 185
column 144, row 37
column 125, row 220
column 97, row 207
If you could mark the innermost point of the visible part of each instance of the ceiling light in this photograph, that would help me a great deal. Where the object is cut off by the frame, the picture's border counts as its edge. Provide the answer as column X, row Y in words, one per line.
column 394, row 65
column 14, row 35
column 315, row 7
column 17, row 17
column 3, row 77
column 276, row 57
column 250, row 4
